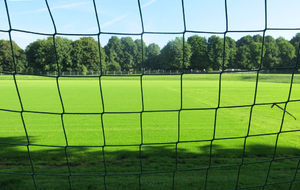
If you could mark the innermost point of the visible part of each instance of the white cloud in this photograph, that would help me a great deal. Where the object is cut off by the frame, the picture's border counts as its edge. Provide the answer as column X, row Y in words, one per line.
column 35, row 11
column 114, row 20
column 21, row 0
column 149, row 3
column 106, row 24
column 92, row 29
column 69, row 6
column 57, row 7
column 71, row 24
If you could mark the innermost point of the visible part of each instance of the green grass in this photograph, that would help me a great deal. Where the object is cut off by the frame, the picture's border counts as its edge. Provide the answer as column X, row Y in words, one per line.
column 189, row 130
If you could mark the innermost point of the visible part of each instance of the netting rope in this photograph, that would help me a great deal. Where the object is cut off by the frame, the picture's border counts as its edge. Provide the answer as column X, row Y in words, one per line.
column 103, row 147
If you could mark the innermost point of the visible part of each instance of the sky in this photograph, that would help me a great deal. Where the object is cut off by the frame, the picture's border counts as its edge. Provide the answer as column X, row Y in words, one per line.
column 122, row 17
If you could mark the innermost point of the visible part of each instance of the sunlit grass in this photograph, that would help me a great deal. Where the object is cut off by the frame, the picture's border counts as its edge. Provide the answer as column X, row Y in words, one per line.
column 86, row 130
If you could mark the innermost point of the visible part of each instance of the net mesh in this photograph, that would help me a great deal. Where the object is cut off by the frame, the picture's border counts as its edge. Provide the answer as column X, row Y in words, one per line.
column 138, row 175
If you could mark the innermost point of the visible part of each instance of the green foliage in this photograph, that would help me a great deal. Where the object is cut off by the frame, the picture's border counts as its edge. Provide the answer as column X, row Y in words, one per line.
column 140, row 56
column 113, row 66
column 295, row 41
column 286, row 52
column 215, row 52
column 126, row 54
column 199, row 57
column 230, row 53
column 152, row 53
column 85, row 52
column 174, row 57
column 248, row 52
column 258, row 38
column 63, row 49
column 271, row 58
column 6, row 58
column 71, row 55
column 113, row 50
column 41, row 56
column 129, row 50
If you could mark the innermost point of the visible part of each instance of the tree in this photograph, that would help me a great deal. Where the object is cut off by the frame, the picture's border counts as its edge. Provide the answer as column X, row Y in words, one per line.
column 85, row 54
column 172, row 55
column 129, row 50
column 295, row 41
column 230, row 52
column 286, row 52
column 113, row 50
column 248, row 53
column 113, row 66
column 245, row 40
column 255, row 59
column 41, row 55
column 77, row 55
column 6, row 57
column 258, row 38
column 271, row 55
column 243, row 57
column 215, row 52
column 199, row 57
column 152, row 54
column 63, row 49
column 140, row 56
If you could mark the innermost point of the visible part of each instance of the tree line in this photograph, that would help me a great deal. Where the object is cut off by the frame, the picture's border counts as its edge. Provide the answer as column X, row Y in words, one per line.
column 86, row 54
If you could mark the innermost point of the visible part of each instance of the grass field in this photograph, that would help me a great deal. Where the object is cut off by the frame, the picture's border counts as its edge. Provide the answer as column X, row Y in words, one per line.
column 149, row 132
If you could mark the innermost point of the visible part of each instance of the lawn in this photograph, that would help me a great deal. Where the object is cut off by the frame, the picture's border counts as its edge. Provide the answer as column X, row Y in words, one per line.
column 149, row 132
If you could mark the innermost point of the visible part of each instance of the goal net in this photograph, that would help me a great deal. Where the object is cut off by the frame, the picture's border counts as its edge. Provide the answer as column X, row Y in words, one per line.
column 149, row 94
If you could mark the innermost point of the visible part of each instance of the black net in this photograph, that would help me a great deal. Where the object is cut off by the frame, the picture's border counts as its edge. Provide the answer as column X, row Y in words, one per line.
column 115, row 129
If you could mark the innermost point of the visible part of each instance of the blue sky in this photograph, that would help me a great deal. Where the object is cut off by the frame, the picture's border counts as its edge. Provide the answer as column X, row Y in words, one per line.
column 123, row 16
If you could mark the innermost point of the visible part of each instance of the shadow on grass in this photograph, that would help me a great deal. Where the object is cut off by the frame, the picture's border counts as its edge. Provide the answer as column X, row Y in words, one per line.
column 184, row 150
column 191, row 161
